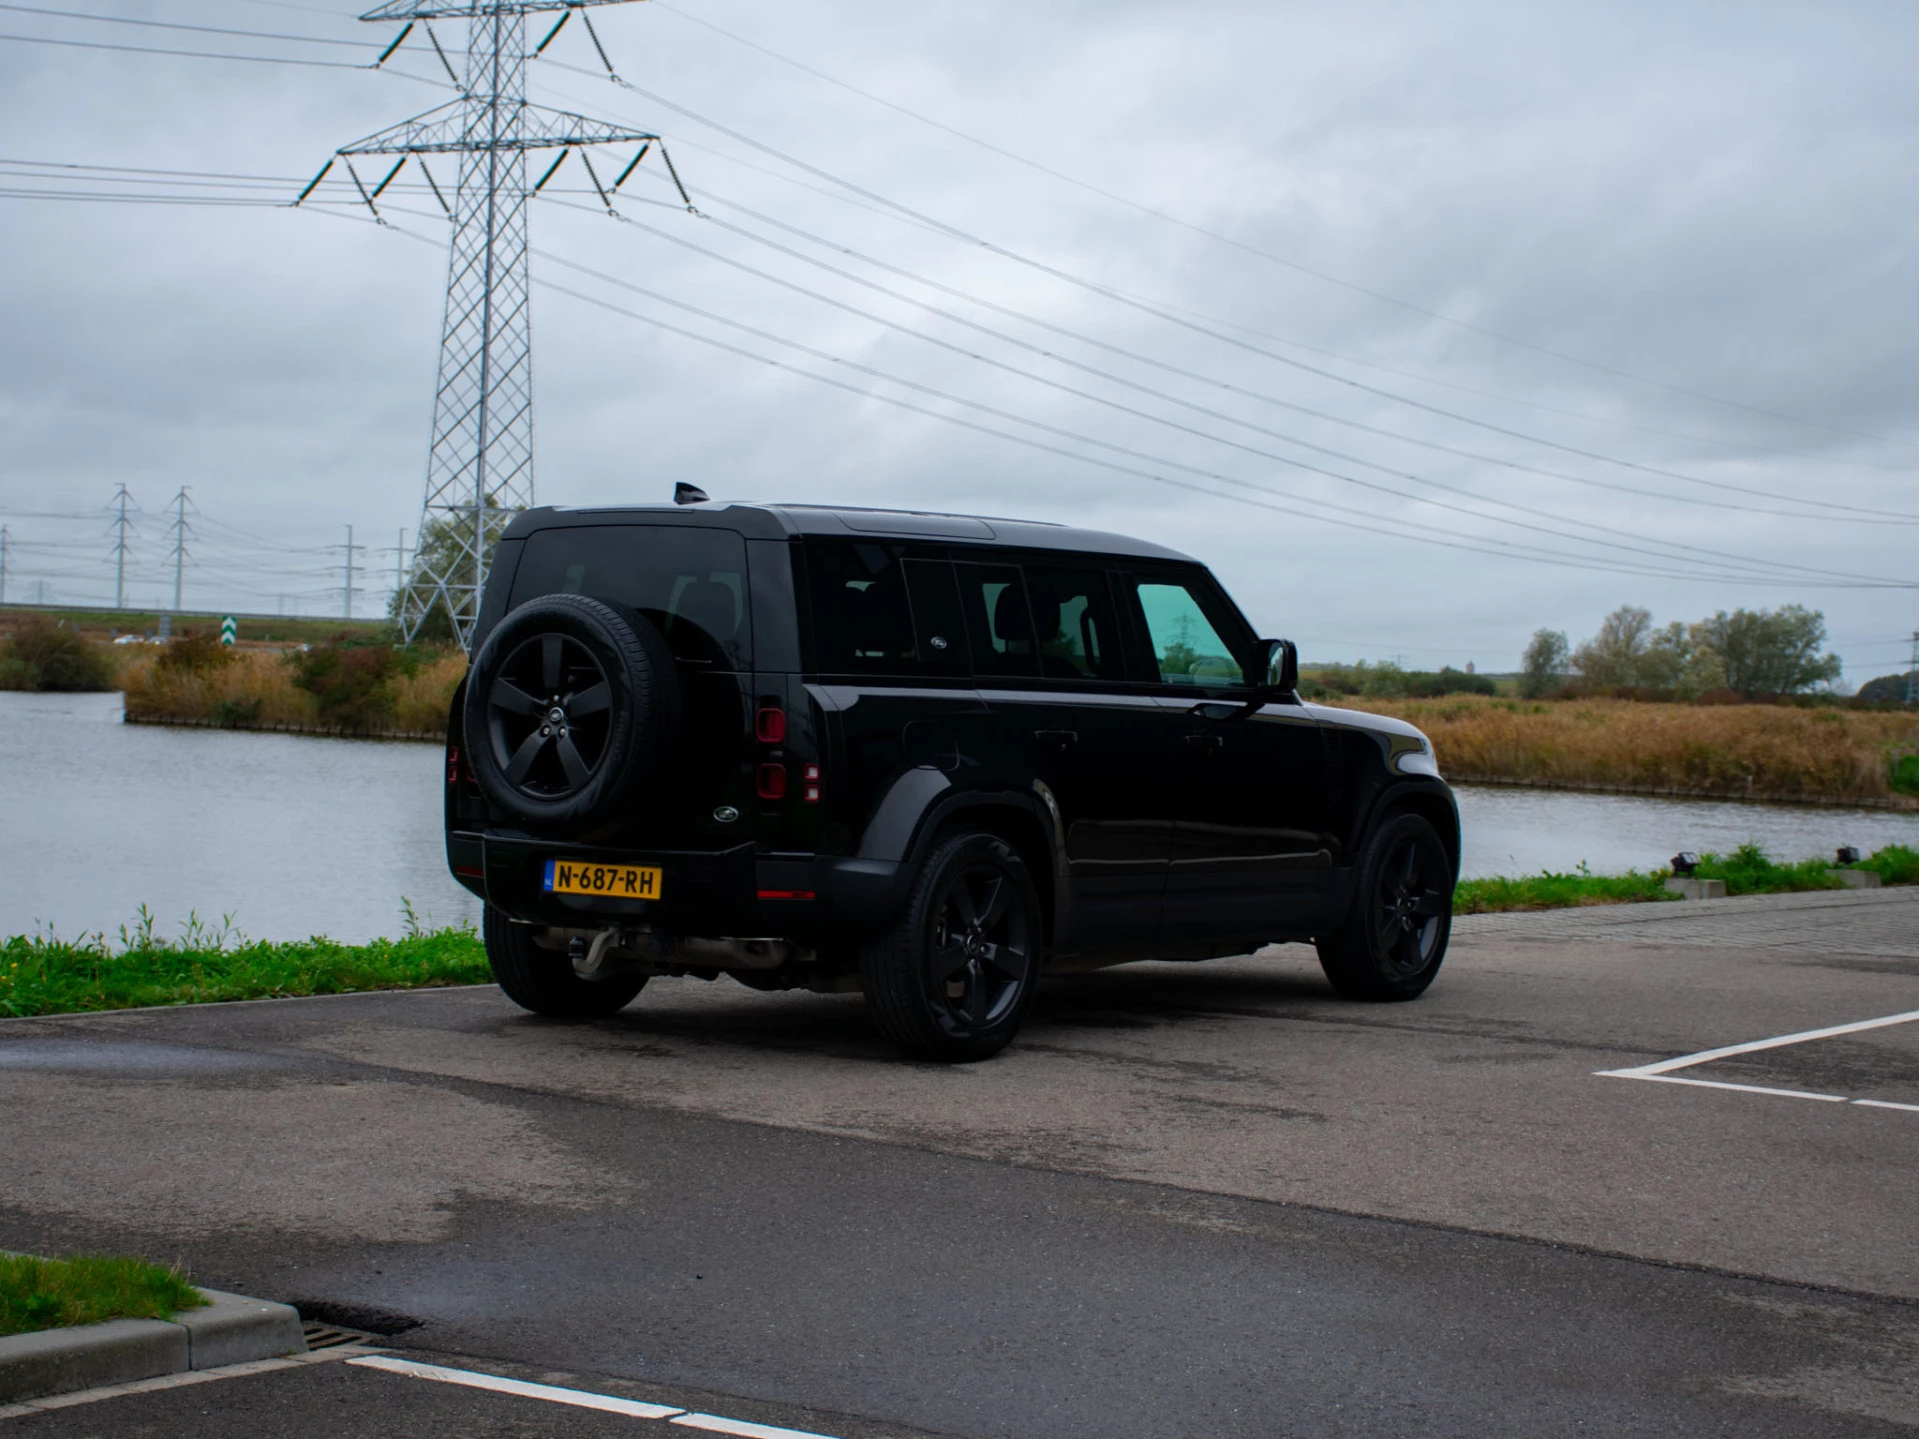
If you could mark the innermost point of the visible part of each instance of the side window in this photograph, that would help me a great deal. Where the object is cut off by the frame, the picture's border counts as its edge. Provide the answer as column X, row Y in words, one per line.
column 861, row 620
column 939, row 627
column 1186, row 641
column 1073, row 619
column 998, row 622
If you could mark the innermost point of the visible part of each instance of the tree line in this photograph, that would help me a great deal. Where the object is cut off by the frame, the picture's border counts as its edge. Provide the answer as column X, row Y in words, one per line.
column 1747, row 652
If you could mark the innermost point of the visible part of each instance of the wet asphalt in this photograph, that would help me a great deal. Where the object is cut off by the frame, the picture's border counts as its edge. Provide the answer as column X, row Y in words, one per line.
column 1195, row 1199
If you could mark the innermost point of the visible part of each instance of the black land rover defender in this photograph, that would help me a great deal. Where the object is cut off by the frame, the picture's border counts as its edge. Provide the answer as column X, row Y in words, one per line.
column 927, row 757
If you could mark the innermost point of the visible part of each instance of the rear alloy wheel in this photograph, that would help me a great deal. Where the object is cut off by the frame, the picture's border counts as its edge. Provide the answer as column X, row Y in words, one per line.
column 952, row 979
column 1394, row 938
column 542, row 980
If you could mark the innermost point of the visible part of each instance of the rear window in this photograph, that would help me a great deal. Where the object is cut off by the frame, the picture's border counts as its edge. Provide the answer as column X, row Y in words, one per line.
column 691, row 583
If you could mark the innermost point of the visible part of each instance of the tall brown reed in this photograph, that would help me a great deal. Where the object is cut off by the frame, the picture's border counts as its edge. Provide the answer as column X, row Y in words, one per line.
column 1734, row 750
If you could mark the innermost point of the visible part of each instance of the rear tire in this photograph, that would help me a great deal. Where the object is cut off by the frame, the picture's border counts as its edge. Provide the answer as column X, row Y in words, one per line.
column 543, row 980
column 1395, row 936
column 952, row 980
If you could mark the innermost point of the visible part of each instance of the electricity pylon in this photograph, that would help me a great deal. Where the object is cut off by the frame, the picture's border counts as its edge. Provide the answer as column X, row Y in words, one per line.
column 480, row 459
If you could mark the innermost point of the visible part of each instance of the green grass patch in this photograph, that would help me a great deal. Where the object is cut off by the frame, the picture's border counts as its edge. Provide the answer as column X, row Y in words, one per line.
column 54, row 1293
column 1903, row 774
column 1748, row 870
column 1896, row 864
column 40, row 974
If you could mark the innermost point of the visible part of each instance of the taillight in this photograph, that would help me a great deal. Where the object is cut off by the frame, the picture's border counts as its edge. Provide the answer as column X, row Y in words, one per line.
column 770, row 726
column 453, row 764
column 770, row 781
column 810, row 784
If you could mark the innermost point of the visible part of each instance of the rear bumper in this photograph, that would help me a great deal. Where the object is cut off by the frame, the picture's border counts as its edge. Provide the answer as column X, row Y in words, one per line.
column 739, row 892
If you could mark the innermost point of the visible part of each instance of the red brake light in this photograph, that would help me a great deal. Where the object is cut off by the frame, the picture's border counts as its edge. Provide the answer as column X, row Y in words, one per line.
column 770, row 781
column 453, row 764
column 770, row 726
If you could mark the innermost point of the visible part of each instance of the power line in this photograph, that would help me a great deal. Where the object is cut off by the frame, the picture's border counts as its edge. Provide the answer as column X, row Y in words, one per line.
column 1849, row 582
column 1714, row 556
column 1211, row 381
column 174, row 25
column 1254, row 249
column 219, row 55
column 1154, row 310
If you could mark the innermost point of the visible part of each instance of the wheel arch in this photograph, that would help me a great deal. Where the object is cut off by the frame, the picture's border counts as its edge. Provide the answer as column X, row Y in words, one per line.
column 1432, row 801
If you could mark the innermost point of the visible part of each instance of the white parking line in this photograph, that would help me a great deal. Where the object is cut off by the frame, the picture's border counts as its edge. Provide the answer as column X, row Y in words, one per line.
column 583, row 1399
column 1660, row 1072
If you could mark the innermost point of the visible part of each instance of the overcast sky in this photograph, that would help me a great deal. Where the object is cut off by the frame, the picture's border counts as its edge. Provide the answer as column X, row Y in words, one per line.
column 1714, row 205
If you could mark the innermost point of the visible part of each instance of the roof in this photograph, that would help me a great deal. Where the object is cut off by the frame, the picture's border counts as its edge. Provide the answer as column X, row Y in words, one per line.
column 776, row 521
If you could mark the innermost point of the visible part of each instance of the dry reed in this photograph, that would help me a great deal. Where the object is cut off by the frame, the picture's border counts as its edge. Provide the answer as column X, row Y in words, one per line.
column 1736, row 751
column 253, row 688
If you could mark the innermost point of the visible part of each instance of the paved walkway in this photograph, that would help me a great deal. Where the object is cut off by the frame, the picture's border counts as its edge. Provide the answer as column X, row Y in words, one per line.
column 1882, row 922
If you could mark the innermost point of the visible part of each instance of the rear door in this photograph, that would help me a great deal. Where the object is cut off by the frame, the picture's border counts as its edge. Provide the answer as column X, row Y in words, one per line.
column 1051, row 667
column 1251, row 852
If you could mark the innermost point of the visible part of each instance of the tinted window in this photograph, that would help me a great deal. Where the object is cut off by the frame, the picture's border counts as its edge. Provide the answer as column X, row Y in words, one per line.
column 1073, row 620
column 691, row 583
column 998, row 622
column 876, row 612
column 1184, row 627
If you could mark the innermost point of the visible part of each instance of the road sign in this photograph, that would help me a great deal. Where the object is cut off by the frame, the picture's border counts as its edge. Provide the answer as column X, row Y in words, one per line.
column 229, row 630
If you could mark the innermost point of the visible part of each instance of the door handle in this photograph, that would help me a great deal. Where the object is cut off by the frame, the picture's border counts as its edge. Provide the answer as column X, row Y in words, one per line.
column 1061, row 737
column 1205, row 741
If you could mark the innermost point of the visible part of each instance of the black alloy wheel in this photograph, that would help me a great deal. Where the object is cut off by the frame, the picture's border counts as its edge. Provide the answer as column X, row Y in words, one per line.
column 1395, row 936
column 981, row 951
column 549, row 711
column 1409, row 902
column 952, row 979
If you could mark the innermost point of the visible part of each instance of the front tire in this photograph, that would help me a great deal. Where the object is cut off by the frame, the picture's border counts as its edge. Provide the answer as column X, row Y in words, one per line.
column 952, row 980
column 1395, row 936
column 543, row 980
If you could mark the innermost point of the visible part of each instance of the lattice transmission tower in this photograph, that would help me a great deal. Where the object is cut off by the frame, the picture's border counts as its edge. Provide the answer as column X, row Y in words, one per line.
column 480, row 458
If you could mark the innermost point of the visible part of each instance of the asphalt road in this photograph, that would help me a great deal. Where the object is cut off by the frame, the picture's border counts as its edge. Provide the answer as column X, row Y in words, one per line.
column 1194, row 1199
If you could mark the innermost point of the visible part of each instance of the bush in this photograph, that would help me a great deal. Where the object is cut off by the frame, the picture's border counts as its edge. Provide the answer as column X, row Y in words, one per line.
column 1895, row 864
column 196, row 652
column 45, row 655
column 350, row 680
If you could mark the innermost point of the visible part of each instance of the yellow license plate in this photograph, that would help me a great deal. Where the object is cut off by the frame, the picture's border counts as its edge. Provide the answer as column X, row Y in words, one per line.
column 610, row 881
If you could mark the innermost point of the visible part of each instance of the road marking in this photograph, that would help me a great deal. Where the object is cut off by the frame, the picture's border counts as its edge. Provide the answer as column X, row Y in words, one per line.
column 715, row 1424
column 553, row 1394
column 1660, row 1072
column 583, row 1399
column 176, row 1381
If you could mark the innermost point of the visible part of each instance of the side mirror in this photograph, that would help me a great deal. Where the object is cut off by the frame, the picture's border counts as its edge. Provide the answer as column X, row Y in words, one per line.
column 1283, row 666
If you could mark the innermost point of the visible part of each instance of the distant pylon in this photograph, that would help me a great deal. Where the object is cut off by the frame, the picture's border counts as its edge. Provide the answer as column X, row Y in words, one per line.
column 480, row 459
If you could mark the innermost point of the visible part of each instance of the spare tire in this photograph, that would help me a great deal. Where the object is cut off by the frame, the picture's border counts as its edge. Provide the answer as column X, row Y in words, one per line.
column 573, row 716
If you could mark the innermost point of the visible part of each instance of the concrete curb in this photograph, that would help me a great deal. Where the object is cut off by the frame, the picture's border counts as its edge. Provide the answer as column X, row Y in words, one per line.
column 232, row 1329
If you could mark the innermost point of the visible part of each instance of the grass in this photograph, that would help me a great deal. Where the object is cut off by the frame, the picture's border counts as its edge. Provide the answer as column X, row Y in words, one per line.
column 1748, row 870
column 40, row 974
column 1732, row 751
column 53, row 1293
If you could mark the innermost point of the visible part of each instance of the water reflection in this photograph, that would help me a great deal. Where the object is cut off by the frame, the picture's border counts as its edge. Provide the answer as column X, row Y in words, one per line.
column 294, row 835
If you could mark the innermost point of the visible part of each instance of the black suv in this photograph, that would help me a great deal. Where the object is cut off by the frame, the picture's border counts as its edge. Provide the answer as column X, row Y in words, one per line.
column 925, row 757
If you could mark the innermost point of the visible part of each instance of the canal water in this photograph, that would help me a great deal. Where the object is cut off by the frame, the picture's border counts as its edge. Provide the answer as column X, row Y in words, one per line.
column 293, row 835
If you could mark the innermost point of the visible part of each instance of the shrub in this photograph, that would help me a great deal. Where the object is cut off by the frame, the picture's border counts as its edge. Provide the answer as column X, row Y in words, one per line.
column 56, row 657
column 196, row 652
column 351, row 680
